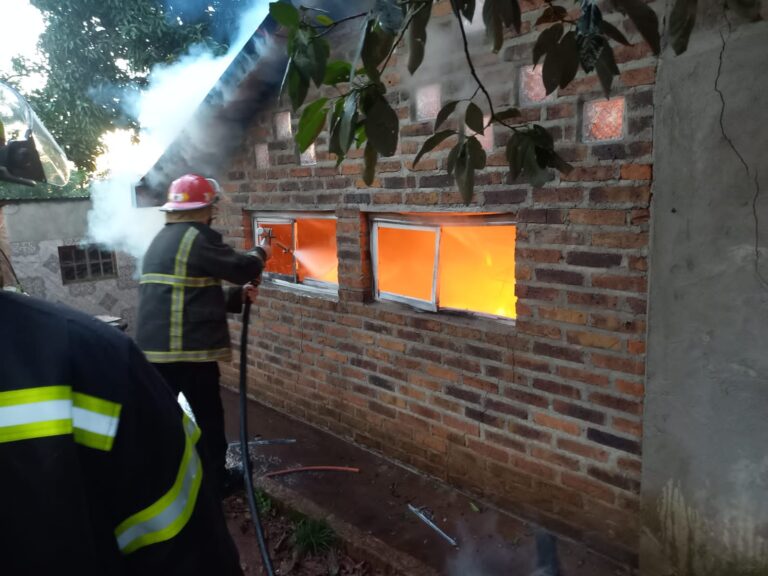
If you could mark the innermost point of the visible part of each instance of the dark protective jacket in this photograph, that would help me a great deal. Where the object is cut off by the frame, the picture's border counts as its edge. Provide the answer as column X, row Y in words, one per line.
column 100, row 474
column 182, row 306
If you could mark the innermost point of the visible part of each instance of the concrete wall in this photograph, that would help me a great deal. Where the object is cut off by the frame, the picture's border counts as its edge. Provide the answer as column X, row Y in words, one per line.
column 705, row 465
column 35, row 230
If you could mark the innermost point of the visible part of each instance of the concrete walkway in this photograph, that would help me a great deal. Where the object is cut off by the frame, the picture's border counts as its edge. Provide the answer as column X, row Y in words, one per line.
column 374, row 503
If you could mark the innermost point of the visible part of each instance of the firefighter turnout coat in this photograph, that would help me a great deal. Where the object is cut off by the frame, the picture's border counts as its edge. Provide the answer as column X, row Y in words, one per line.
column 182, row 306
column 100, row 474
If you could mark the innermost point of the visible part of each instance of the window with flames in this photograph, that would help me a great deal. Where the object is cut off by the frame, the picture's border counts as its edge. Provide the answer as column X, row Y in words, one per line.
column 461, row 263
column 303, row 249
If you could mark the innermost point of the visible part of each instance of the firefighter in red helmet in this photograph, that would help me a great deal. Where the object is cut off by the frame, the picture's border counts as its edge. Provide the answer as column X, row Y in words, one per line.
column 182, row 323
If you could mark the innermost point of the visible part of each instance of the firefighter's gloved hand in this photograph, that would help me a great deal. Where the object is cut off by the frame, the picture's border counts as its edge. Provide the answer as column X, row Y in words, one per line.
column 263, row 252
column 250, row 292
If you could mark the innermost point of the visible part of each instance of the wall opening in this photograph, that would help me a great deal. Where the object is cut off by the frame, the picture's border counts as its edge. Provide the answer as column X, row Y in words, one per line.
column 283, row 129
column 84, row 263
column 428, row 101
column 459, row 263
column 304, row 250
column 604, row 120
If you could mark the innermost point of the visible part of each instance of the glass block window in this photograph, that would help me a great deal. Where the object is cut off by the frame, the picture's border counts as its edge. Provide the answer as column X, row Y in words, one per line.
column 428, row 102
column 604, row 120
column 262, row 156
column 532, row 89
column 308, row 157
column 87, row 262
column 283, row 125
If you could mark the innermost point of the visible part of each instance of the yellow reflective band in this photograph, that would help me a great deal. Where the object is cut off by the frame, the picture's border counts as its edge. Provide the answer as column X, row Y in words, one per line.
column 165, row 518
column 171, row 280
column 56, row 411
column 160, row 357
column 177, row 294
column 95, row 421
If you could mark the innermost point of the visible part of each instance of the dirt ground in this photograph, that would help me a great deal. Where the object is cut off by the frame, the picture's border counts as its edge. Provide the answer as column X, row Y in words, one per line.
column 279, row 527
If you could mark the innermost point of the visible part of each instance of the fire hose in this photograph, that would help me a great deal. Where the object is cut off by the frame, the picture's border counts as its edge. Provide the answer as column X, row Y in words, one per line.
column 244, row 451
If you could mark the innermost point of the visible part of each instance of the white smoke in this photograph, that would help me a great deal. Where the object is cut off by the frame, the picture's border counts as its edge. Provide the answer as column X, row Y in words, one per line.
column 164, row 109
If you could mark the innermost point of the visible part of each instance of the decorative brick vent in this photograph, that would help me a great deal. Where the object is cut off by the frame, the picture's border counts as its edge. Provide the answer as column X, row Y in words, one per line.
column 604, row 120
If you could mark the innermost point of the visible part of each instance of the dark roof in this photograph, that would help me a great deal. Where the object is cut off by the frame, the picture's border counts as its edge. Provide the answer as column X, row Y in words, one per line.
column 246, row 87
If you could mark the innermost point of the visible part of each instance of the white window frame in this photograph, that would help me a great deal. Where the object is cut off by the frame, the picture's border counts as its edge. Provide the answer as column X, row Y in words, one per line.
column 431, row 222
column 310, row 286
column 430, row 304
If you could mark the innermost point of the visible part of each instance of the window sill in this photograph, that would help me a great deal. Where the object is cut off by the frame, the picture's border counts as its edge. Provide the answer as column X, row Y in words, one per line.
column 456, row 317
column 331, row 294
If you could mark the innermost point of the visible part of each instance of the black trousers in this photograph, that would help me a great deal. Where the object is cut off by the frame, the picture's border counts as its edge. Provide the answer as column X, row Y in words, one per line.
column 199, row 381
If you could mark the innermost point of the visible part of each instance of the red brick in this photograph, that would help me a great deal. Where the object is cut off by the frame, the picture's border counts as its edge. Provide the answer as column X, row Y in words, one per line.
column 581, row 449
column 639, row 76
column 619, row 364
column 595, row 340
column 557, row 424
column 589, row 174
column 563, row 315
column 637, row 284
column 620, row 239
column 636, row 172
column 622, row 404
column 597, row 217
column 588, row 486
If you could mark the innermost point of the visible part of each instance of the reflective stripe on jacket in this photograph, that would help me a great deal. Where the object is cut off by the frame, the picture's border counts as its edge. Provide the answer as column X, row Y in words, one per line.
column 182, row 306
column 100, row 474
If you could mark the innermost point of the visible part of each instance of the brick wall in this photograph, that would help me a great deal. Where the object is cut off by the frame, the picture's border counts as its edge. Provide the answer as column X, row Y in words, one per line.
column 544, row 417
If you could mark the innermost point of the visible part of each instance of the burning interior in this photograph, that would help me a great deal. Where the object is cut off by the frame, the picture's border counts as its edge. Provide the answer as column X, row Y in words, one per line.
column 461, row 263
column 304, row 249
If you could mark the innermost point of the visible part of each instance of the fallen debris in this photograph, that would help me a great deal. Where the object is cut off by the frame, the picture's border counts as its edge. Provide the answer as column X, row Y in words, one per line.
column 426, row 516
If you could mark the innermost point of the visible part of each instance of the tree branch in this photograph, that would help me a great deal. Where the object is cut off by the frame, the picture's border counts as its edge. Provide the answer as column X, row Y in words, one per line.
column 330, row 27
column 468, row 56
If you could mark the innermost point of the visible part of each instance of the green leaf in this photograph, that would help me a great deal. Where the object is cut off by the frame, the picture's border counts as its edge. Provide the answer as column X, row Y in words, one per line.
column 369, row 171
column 476, row 153
column 514, row 145
column 552, row 13
column 444, row 113
column 417, row 34
column 324, row 20
column 606, row 69
column 382, row 126
column 360, row 136
column 464, row 173
column 553, row 69
column 568, row 52
column 375, row 48
column 547, row 40
column 681, row 22
column 474, row 118
column 337, row 72
column 431, row 142
column 451, row 162
column 298, row 86
column 348, row 121
column 541, row 137
column 615, row 34
column 284, row 14
column 311, row 123
column 644, row 19
column 506, row 114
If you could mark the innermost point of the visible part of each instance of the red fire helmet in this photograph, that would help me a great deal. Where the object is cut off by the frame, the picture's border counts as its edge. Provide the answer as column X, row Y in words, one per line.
column 191, row 192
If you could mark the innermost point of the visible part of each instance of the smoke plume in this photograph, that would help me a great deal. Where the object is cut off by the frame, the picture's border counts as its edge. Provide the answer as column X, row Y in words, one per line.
column 170, row 106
